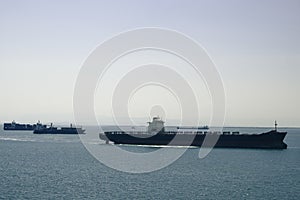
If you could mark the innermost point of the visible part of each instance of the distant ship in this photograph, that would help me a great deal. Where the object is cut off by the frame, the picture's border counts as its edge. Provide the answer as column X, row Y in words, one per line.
column 55, row 130
column 13, row 126
column 156, row 135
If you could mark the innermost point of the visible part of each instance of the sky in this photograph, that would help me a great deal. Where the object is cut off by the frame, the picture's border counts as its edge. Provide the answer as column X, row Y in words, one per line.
column 255, row 46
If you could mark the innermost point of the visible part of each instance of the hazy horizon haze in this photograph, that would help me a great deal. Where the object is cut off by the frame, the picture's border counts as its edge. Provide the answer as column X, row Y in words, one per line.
column 255, row 46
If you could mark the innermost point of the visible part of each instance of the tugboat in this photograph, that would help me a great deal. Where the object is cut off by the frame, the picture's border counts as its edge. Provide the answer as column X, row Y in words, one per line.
column 156, row 135
column 41, row 129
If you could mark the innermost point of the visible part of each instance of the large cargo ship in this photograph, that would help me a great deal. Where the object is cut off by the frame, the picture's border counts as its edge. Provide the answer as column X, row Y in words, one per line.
column 13, row 126
column 156, row 135
column 55, row 130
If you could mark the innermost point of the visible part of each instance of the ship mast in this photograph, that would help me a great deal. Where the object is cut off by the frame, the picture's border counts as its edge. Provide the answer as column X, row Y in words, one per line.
column 276, row 125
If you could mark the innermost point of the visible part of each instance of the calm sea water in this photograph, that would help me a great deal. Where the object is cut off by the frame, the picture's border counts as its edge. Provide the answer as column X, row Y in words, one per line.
column 59, row 166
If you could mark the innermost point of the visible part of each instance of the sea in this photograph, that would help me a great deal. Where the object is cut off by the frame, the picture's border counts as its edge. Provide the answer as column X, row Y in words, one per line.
column 60, row 167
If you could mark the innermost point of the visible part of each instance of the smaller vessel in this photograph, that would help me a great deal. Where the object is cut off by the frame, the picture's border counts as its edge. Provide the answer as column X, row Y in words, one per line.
column 13, row 126
column 42, row 129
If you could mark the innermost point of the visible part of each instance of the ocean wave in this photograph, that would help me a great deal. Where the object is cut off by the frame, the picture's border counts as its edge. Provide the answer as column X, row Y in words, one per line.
column 17, row 139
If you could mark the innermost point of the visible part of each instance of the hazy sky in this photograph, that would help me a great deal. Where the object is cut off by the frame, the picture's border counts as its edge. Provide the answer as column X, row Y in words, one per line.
column 254, row 44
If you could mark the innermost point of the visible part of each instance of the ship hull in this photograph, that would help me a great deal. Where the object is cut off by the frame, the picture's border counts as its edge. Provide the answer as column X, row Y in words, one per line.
column 59, row 131
column 269, row 140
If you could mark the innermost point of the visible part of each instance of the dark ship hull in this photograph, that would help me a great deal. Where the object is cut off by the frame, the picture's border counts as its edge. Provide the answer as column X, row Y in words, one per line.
column 54, row 130
column 269, row 140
